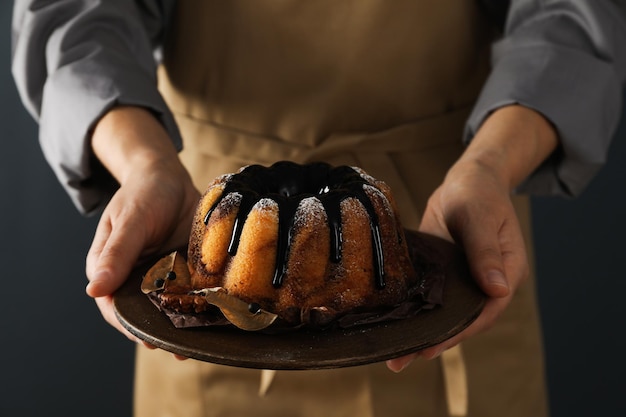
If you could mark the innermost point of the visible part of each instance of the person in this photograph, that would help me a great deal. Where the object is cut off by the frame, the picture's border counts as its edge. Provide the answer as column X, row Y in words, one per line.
column 394, row 87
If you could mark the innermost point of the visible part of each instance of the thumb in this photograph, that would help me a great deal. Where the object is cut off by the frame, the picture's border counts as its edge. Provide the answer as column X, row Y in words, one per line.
column 482, row 246
column 480, row 242
column 111, row 258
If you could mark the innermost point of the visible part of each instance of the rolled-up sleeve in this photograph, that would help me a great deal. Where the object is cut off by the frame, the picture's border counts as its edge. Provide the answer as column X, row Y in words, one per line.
column 74, row 60
column 565, row 59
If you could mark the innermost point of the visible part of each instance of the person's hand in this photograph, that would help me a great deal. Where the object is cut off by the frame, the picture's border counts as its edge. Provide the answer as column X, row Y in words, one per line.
column 150, row 213
column 473, row 208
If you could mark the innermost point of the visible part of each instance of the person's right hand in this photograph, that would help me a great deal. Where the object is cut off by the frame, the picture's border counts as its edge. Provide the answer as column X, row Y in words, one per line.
column 151, row 212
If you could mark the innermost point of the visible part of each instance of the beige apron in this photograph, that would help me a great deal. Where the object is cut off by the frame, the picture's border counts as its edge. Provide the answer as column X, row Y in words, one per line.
column 385, row 85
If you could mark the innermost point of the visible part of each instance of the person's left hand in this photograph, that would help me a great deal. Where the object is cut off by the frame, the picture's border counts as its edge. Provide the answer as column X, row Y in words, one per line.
column 473, row 208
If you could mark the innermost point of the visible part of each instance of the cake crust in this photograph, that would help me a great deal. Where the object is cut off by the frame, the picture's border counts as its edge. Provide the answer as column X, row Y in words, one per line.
column 293, row 238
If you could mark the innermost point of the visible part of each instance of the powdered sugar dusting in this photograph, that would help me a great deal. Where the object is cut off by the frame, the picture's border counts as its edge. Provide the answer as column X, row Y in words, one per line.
column 224, row 178
column 265, row 204
column 310, row 209
column 231, row 199
column 373, row 191
column 367, row 177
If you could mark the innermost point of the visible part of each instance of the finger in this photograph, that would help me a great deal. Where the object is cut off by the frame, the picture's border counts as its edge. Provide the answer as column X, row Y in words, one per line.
column 105, row 304
column 492, row 310
column 401, row 363
column 483, row 322
column 101, row 236
column 478, row 232
column 116, row 259
column 514, row 255
column 433, row 224
column 480, row 239
column 148, row 345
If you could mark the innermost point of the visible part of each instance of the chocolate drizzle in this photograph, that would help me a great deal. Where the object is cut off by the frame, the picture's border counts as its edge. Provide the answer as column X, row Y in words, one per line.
column 288, row 184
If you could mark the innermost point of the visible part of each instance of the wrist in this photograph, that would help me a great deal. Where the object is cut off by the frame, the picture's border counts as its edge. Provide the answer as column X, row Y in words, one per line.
column 511, row 143
column 128, row 139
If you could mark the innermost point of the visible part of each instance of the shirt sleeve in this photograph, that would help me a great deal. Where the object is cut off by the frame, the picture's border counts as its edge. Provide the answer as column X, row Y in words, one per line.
column 565, row 59
column 72, row 60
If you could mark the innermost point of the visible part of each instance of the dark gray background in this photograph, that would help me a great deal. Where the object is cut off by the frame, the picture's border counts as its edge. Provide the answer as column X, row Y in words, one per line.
column 58, row 357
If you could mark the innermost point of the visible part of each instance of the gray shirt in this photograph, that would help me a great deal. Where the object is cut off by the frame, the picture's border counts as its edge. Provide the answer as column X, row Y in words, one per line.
column 74, row 60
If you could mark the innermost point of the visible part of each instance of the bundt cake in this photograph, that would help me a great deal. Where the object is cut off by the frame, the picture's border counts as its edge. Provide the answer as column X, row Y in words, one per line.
column 292, row 239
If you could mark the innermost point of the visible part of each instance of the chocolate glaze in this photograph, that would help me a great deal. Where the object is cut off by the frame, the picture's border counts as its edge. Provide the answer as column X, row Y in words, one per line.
column 287, row 184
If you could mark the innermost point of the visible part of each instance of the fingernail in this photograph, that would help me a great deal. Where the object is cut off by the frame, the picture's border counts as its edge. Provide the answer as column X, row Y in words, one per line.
column 434, row 355
column 403, row 367
column 94, row 288
column 89, row 289
column 496, row 277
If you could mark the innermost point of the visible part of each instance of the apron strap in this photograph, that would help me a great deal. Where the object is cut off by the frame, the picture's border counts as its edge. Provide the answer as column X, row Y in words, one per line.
column 247, row 148
column 267, row 376
column 455, row 380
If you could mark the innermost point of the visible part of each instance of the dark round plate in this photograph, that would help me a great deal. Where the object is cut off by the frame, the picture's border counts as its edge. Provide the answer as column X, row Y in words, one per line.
column 313, row 349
